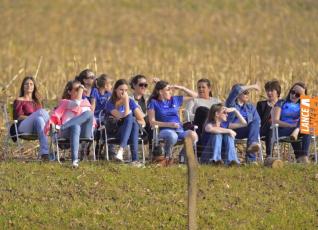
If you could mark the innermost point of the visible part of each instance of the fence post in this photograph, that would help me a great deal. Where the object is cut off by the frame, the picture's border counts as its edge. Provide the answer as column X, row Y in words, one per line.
column 192, row 183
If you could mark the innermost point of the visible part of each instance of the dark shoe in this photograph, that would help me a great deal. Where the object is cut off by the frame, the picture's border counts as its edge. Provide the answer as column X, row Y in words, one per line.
column 303, row 160
column 45, row 157
column 218, row 163
column 233, row 164
column 253, row 148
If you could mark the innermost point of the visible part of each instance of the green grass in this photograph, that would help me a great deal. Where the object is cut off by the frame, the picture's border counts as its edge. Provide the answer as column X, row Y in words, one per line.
column 35, row 195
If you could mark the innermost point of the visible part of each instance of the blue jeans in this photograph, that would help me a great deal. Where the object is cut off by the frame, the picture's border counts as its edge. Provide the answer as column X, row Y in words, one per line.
column 300, row 148
column 128, row 133
column 219, row 147
column 35, row 123
column 80, row 126
column 170, row 137
column 251, row 132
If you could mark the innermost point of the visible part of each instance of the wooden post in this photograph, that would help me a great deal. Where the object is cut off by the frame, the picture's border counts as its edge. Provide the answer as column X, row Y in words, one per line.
column 192, row 184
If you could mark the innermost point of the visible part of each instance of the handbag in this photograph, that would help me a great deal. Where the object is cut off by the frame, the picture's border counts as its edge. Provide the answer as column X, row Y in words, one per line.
column 112, row 125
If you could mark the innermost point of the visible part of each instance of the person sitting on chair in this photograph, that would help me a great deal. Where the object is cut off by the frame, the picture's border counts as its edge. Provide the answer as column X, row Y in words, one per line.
column 129, row 116
column 204, row 100
column 87, row 79
column 75, row 117
column 264, row 109
column 101, row 93
column 163, row 111
column 218, row 136
column 27, row 109
column 198, row 108
column 239, row 99
column 286, row 114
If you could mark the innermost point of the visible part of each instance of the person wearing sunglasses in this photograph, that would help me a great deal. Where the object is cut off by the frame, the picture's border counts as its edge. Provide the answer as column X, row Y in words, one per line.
column 265, row 108
column 74, row 116
column 239, row 99
column 139, row 87
column 87, row 79
column 286, row 114
column 218, row 136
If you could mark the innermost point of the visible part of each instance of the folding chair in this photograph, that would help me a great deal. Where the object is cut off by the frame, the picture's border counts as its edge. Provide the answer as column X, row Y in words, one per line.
column 156, row 142
column 276, row 139
column 243, row 141
column 7, row 110
column 58, row 143
column 108, row 140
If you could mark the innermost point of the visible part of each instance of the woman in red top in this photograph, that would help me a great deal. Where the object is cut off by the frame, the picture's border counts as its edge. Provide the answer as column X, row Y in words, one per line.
column 30, row 115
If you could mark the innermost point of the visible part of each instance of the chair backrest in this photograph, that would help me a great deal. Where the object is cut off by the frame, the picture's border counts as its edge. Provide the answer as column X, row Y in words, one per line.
column 7, row 111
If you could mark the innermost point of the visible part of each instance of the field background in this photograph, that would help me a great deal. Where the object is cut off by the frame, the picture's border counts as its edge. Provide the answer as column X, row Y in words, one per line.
column 226, row 41
column 181, row 41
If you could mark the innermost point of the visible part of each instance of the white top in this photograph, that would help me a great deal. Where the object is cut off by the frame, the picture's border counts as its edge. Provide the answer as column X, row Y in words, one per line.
column 194, row 103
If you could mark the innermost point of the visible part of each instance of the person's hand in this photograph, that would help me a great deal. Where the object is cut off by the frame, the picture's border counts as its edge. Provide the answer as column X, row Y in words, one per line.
column 257, row 86
column 176, row 87
column 174, row 125
column 125, row 96
column 230, row 110
column 232, row 133
column 155, row 80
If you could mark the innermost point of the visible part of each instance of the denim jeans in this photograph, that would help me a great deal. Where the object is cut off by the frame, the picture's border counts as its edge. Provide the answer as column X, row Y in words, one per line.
column 170, row 137
column 251, row 132
column 128, row 134
column 300, row 148
column 219, row 147
column 35, row 124
column 78, row 127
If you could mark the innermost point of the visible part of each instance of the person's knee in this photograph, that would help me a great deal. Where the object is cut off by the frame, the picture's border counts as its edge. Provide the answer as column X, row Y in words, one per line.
column 170, row 137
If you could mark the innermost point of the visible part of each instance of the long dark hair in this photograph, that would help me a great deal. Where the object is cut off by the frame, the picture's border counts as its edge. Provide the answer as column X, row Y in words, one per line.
column 301, row 84
column 159, row 86
column 68, row 87
column 118, row 83
column 207, row 82
column 212, row 112
column 35, row 93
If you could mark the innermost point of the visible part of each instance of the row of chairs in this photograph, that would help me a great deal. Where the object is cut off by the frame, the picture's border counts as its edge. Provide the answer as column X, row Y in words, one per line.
column 105, row 140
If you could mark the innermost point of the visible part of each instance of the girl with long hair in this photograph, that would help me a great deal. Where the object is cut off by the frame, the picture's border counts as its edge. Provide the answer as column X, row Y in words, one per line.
column 30, row 114
column 129, row 116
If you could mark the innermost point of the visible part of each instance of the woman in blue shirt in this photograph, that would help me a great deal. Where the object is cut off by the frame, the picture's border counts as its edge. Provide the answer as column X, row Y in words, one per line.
column 124, row 109
column 286, row 114
column 163, row 110
column 239, row 99
column 218, row 136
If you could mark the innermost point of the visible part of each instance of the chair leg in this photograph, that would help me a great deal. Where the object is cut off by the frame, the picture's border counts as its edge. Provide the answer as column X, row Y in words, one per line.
column 58, row 151
column 106, row 146
column 315, row 149
column 143, row 151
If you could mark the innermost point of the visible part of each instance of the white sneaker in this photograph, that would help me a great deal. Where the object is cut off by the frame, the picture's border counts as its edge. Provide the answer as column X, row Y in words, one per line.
column 75, row 163
column 119, row 156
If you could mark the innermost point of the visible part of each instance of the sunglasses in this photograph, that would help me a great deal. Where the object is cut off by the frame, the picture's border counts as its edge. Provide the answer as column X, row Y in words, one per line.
column 246, row 92
column 143, row 85
column 293, row 92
